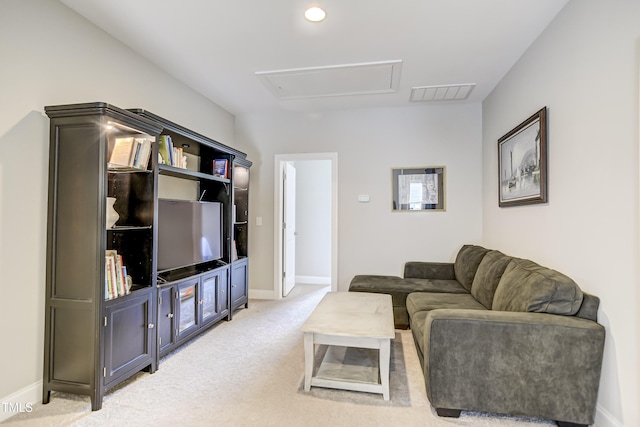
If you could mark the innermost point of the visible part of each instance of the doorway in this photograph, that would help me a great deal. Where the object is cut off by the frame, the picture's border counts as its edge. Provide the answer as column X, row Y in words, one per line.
column 316, row 253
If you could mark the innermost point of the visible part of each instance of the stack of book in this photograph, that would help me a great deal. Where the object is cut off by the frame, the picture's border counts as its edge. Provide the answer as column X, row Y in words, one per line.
column 170, row 155
column 130, row 152
column 117, row 282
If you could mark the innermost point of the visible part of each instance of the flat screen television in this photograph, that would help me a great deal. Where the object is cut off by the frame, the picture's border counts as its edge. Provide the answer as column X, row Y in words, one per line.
column 189, row 233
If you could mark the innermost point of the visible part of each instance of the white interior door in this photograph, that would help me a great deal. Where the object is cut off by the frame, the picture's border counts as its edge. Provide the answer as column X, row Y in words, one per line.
column 289, row 230
column 280, row 161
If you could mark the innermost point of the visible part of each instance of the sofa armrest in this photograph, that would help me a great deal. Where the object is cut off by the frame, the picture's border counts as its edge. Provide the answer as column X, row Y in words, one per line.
column 429, row 270
column 533, row 364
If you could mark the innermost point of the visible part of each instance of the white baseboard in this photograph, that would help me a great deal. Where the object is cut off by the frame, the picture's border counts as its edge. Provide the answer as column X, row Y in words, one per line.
column 313, row 280
column 261, row 294
column 605, row 419
column 20, row 401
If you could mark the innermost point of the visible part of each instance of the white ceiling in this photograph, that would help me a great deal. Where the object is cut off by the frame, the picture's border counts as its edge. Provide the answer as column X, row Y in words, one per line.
column 223, row 48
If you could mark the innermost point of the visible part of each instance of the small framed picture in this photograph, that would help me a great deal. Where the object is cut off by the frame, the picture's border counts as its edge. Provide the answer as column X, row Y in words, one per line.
column 220, row 168
column 418, row 189
column 522, row 163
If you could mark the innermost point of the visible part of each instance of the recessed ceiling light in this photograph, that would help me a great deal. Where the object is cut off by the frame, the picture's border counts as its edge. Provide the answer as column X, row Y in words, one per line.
column 315, row 14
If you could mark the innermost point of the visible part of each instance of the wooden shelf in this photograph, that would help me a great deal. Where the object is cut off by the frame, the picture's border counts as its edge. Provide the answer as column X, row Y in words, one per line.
column 129, row 227
column 189, row 174
column 126, row 169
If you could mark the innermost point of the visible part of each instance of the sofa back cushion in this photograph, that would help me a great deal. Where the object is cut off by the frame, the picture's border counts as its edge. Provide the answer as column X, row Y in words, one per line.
column 466, row 264
column 589, row 307
column 488, row 276
column 528, row 287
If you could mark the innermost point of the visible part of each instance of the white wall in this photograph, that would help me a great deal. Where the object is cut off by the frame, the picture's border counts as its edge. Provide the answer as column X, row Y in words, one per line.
column 50, row 55
column 369, row 142
column 313, row 221
column 584, row 68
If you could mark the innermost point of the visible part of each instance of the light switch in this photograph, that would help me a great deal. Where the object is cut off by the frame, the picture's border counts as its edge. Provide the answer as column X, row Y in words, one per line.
column 363, row 198
column 258, row 220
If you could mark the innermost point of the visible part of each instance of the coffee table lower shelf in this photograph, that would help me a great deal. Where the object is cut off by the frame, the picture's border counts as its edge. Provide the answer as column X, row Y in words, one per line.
column 349, row 368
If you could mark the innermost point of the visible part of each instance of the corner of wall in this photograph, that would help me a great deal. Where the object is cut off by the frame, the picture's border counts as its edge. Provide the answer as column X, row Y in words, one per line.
column 605, row 419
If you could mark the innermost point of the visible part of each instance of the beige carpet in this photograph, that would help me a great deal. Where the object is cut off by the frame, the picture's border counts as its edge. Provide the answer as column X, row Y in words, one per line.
column 250, row 372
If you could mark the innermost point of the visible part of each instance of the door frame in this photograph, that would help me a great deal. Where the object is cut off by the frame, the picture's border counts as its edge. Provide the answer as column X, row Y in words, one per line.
column 278, row 215
column 289, row 232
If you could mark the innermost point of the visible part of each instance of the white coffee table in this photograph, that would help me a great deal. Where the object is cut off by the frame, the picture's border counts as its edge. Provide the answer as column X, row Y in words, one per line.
column 358, row 328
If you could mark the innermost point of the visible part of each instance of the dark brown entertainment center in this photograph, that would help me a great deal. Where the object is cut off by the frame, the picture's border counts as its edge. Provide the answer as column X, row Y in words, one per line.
column 101, row 326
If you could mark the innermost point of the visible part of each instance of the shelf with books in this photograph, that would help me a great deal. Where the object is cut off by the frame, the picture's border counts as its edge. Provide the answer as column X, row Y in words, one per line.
column 128, row 260
column 170, row 154
column 117, row 282
column 135, row 245
column 130, row 151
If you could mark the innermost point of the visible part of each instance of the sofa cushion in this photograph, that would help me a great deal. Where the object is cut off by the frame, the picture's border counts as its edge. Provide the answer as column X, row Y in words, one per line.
column 399, row 288
column 429, row 270
column 589, row 307
column 436, row 285
column 467, row 262
column 528, row 287
column 420, row 304
column 392, row 285
column 488, row 276
column 426, row 301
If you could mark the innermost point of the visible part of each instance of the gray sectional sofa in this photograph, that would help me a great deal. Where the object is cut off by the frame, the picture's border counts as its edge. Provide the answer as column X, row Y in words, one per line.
column 499, row 334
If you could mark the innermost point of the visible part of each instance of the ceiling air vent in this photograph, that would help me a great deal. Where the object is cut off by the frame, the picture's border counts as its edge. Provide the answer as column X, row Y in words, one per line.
column 457, row 92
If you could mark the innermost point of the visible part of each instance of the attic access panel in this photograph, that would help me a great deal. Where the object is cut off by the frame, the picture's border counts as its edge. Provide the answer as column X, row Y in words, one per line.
column 336, row 80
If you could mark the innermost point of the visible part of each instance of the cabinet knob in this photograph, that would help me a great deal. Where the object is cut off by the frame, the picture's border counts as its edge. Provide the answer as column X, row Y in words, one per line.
column 170, row 315
column 233, row 286
column 151, row 326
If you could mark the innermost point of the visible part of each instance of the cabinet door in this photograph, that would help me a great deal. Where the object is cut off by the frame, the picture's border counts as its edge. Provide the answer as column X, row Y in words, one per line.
column 223, row 296
column 187, row 308
column 129, row 336
column 239, row 284
column 209, row 297
column 166, row 319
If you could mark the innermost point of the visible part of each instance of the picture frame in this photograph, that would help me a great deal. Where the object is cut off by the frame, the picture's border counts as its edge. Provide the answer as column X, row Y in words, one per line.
column 419, row 189
column 221, row 168
column 522, row 163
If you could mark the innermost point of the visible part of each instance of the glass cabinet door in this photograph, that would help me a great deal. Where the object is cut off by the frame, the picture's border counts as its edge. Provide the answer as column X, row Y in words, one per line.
column 223, row 297
column 188, row 305
column 208, row 297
